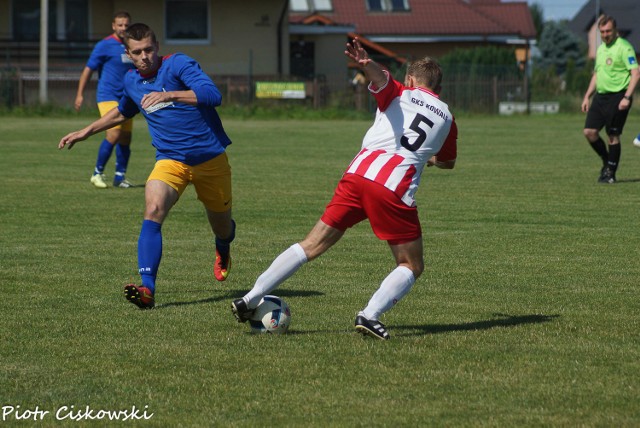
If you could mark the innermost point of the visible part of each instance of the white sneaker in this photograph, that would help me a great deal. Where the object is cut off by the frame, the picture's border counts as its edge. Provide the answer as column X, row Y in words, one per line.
column 98, row 180
column 636, row 141
column 123, row 184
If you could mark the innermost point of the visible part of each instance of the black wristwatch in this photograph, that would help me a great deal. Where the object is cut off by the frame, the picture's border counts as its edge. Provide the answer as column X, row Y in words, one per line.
column 627, row 98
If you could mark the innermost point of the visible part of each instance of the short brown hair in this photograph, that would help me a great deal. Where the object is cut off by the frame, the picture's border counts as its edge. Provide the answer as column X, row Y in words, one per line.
column 121, row 14
column 605, row 19
column 427, row 72
column 137, row 32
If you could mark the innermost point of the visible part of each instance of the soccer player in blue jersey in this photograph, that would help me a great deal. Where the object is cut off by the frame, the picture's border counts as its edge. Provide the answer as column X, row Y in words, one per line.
column 178, row 101
column 111, row 62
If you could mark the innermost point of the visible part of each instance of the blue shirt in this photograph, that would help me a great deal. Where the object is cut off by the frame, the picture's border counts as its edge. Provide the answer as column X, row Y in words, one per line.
column 110, row 60
column 179, row 131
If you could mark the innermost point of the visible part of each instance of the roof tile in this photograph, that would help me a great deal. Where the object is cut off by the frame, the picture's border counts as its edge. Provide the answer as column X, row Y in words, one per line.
column 436, row 18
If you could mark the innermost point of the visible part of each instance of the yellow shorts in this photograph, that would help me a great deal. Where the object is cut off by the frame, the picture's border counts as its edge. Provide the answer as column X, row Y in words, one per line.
column 211, row 179
column 106, row 106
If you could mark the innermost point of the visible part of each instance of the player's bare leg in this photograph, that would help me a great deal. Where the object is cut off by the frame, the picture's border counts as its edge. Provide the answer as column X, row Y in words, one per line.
column 319, row 240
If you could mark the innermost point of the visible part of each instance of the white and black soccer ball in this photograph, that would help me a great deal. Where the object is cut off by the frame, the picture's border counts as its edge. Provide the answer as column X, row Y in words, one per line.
column 271, row 316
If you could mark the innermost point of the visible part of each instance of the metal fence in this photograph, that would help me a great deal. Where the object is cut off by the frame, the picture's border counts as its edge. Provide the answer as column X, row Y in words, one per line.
column 20, row 88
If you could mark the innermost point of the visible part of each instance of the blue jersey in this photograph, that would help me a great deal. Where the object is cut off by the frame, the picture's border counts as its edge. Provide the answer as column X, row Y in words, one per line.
column 110, row 60
column 179, row 131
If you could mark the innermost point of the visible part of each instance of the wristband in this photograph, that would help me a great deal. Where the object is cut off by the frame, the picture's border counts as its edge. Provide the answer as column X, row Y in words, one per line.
column 627, row 98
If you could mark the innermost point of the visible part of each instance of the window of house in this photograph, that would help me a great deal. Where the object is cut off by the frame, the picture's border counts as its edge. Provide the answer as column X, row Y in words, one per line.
column 68, row 20
column 26, row 20
column 310, row 6
column 387, row 5
column 76, row 20
column 187, row 21
column 399, row 5
column 374, row 5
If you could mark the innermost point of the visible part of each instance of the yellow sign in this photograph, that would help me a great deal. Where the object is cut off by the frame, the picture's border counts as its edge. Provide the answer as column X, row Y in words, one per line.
column 293, row 90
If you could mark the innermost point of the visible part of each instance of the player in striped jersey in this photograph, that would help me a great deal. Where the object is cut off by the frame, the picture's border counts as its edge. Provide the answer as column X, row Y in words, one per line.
column 412, row 128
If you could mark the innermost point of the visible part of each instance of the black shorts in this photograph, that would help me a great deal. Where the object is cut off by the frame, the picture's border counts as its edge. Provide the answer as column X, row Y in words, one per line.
column 604, row 113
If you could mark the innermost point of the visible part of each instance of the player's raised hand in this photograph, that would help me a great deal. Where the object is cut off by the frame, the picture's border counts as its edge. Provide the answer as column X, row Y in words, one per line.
column 356, row 52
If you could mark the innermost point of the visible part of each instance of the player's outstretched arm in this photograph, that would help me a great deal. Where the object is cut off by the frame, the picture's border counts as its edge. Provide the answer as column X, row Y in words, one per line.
column 109, row 120
column 372, row 70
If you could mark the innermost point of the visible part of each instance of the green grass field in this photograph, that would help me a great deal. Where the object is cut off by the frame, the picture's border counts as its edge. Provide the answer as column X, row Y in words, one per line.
column 527, row 313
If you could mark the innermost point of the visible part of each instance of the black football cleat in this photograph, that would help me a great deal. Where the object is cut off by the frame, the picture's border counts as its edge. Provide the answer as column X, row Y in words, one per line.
column 240, row 310
column 373, row 328
column 607, row 177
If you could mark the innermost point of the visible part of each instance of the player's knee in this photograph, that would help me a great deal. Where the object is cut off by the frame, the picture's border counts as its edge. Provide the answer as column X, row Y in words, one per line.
column 118, row 136
column 124, row 138
column 155, row 212
column 590, row 134
column 313, row 249
column 417, row 268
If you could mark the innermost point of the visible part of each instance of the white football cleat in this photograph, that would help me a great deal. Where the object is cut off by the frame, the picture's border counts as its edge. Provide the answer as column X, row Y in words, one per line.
column 99, row 181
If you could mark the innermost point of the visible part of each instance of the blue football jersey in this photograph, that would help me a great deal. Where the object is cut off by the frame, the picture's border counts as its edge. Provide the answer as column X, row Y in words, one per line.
column 179, row 131
column 111, row 62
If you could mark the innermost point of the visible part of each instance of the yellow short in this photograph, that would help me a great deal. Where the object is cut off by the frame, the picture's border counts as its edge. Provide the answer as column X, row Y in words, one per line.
column 211, row 179
column 106, row 106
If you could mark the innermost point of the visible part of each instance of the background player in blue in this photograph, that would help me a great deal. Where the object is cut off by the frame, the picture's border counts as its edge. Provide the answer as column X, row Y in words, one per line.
column 178, row 101
column 111, row 62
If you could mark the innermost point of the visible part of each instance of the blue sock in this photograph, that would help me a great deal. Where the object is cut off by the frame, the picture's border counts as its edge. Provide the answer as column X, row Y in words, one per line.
column 222, row 245
column 122, row 160
column 149, row 253
column 104, row 153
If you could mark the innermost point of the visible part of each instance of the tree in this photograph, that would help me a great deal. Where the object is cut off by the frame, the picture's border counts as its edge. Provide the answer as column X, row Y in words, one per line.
column 481, row 61
column 537, row 14
column 472, row 76
column 558, row 46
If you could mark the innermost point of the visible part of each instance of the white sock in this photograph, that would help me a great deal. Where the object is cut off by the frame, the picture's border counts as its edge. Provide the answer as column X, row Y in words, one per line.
column 285, row 265
column 393, row 288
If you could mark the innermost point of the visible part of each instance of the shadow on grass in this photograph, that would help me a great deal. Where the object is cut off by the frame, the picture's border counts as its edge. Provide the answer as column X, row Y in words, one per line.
column 501, row 320
column 234, row 294
column 189, row 302
column 628, row 180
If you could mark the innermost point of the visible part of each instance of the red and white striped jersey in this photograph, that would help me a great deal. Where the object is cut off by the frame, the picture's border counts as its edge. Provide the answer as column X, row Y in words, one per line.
column 411, row 125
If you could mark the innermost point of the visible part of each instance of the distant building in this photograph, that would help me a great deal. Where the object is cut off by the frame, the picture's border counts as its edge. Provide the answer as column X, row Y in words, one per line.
column 407, row 29
column 625, row 12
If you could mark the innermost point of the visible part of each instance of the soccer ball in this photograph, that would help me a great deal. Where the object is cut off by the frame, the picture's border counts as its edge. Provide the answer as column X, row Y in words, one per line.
column 271, row 316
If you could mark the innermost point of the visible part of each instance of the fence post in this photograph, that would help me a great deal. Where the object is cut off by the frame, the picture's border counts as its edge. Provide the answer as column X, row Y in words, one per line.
column 315, row 93
column 20, row 88
column 495, row 92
